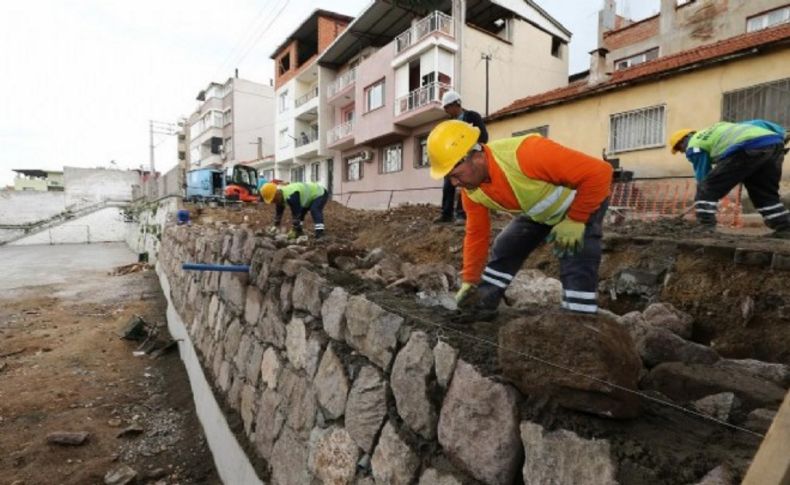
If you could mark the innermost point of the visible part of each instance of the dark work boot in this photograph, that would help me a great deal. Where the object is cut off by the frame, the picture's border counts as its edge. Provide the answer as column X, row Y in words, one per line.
column 481, row 305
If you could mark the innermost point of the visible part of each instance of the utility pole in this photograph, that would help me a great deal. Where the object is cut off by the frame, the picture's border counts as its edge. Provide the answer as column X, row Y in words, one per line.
column 487, row 58
column 157, row 128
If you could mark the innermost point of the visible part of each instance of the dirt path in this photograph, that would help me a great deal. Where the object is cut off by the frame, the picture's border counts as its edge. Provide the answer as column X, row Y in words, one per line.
column 63, row 368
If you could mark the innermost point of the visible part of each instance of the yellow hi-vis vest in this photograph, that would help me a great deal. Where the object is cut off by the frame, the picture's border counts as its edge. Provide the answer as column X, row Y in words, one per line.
column 541, row 201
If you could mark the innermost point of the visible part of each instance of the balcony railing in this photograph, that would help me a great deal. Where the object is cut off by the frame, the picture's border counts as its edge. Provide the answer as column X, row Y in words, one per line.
column 435, row 22
column 342, row 81
column 420, row 97
column 339, row 132
column 305, row 139
column 306, row 97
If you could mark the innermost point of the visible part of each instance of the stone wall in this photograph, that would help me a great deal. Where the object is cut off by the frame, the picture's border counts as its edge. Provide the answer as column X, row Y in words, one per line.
column 325, row 385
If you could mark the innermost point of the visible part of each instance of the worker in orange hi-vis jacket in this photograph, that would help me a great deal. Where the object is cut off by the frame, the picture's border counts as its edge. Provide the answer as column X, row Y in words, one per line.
column 557, row 194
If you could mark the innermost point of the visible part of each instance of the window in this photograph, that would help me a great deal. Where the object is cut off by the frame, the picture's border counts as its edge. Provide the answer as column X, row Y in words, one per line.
column 283, row 137
column 228, row 146
column 542, row 130
column 283, row 101
column 226, row 117
column 768, row 19
column 284, row 65
column 632, row 130
column 556, row 47
column 421, row 160
column 268, row 174
column 297, row 174
column 182, row 155
column 627, row 62
column 374, row 96
column 216, row 119
column 392, row 158
column 770, row 101
column 315, row 172
column 353, row 167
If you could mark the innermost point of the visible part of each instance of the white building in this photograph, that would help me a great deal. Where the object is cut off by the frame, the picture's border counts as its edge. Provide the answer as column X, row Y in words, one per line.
column 233, row 124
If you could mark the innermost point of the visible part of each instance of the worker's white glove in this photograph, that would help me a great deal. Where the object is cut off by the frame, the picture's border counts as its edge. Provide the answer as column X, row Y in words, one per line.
column 272, row 230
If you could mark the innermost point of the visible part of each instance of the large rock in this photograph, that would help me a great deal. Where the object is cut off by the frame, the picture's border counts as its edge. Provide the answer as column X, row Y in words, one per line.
column 412, row 385
column 779, row 374
column 289, row 460
column 247, row 408
column 307, row 292
column 393, row 462
column 665, row 315
column 372, row 330
column 658, row 344
column 720, row 406
column 233, row 291
column 333, row 313
column 252, row 308
column 760, row 420
column 271, row 327
column 333, row 456
column 594, row 346
column 432, row 476
column 331, row 385
column 444, row 358
column 721, row 475
column 689, row 382
column 270, row 368
column 562, row 457
column 478, row 427
column 253, row 368
column 366, row 407
column 269, row 421
column 232, row 338
column 531, row 287
column 298, row 402
column 296, row 342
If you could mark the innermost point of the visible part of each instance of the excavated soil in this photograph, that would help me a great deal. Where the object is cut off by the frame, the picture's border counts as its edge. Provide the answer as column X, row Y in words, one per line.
column 695, row 272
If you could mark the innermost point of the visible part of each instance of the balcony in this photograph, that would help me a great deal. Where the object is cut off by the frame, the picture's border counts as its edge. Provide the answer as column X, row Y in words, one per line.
column 307, row 145
column 338, row 91
column 341, row 136
column 421, row 105
column 435, row 22
column 313, row 93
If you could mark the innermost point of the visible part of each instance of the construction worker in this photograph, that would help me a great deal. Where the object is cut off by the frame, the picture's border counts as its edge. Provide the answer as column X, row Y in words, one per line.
column 301, row 197
column 556, row 193
column 727, row 154
column 451, row 102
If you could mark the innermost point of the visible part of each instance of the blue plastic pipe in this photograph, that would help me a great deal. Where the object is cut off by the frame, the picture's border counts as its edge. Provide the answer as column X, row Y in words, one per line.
column 232, row 268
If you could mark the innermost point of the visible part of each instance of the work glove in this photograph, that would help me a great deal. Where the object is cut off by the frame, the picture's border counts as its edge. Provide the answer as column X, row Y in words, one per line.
column 272, row 230
column 568, row 237
column 292, row 234
column 465, row 295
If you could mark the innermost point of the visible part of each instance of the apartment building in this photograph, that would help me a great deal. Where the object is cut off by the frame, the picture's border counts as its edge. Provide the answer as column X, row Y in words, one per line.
column 627, row 111
column 38, row 180
column 300, row 152
column 383, row 78
column 681, row 25
column 232, row 124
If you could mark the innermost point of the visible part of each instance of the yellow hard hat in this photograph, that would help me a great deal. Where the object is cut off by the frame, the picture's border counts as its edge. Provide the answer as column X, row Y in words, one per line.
column 268, row 190
column 675, row 138
column 448, row 143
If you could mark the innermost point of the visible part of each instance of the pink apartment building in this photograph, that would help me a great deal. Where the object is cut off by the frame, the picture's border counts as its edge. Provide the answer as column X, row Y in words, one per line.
column 382, row 80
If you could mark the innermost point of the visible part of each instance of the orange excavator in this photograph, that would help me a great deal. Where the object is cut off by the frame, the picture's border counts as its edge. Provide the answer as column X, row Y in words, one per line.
column 241, row 183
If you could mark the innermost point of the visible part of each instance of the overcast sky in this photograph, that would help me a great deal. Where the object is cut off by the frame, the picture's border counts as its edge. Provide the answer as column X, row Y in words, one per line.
column 81, row 78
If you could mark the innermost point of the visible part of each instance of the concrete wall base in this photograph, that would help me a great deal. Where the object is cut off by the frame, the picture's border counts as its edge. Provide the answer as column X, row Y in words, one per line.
column 232, row 463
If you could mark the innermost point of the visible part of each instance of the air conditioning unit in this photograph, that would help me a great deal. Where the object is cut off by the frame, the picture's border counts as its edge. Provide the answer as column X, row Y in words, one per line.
column 366, row 155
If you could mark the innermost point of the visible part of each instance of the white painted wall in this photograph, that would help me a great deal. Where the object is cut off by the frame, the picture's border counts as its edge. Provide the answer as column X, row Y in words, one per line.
column 86, row 186
column 253, row 117
column 105, row 225
column 28, row 207
column 143, row 236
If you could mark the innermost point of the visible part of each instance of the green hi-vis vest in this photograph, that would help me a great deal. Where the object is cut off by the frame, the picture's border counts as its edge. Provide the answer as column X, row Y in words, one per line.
column 308, row 191
column 716, row 139
column 541, row 201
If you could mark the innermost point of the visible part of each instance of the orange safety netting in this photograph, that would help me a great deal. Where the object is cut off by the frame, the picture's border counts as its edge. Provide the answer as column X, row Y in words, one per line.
column 648, row 200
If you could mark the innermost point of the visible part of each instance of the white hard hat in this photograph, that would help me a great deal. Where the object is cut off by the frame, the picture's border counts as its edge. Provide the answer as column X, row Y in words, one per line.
column 450, row 97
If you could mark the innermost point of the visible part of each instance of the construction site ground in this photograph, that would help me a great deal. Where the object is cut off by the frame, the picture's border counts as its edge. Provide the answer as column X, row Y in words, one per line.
column 740, row 310
column 63, row 368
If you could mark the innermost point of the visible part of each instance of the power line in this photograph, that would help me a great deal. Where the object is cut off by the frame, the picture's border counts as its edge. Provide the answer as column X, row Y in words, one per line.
column 238, row 61
column 248, row 32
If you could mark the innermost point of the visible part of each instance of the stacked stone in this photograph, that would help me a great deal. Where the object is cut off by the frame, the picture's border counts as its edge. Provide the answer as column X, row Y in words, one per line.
column 331, row 387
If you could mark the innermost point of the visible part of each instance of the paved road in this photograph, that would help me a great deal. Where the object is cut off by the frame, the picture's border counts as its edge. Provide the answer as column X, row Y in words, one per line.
column 26, row 266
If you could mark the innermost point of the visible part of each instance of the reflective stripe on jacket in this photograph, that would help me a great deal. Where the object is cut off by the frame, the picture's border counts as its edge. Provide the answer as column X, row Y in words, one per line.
column 723, row 138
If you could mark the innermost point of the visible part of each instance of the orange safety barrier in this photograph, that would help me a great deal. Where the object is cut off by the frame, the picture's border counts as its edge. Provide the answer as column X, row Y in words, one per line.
column 648, row 200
